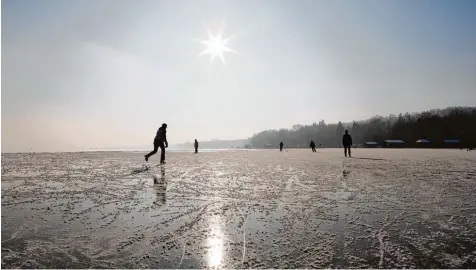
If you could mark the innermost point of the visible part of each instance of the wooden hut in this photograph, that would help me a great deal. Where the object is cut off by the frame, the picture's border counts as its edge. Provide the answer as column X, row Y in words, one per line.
column 423, row 143
column 370, row 144
column 452, row 143
column 394, row 143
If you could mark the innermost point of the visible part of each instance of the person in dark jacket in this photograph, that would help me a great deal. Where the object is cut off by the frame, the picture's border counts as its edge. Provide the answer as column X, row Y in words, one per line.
column 160, row 141
column 196, row 146
column 347, row 142
column 313, row 146
column 281, row 144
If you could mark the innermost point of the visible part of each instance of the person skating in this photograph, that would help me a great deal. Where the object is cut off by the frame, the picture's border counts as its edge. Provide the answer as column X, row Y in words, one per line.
column 281, row 144
column 347, row 142
column 313, row 146
column 196, row 146
column 160, row 141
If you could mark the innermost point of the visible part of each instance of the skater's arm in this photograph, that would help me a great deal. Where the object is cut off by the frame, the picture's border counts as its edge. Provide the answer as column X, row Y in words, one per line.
column 350, row 139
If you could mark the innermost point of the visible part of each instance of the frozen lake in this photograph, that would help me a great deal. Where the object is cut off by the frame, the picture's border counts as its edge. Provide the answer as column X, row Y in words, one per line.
column 383, row 208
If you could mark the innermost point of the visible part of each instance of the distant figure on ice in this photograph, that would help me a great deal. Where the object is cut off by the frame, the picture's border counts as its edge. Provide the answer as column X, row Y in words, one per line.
column 313, row 146
column 159, row 141
column 281, row 144
column 196, row 146
column 347, row 142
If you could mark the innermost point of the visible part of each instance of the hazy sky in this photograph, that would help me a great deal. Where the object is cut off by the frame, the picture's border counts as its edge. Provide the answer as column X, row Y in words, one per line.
column 92, row 74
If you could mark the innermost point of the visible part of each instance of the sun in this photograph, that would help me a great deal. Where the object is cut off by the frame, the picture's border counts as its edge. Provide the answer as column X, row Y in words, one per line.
column 216, row 46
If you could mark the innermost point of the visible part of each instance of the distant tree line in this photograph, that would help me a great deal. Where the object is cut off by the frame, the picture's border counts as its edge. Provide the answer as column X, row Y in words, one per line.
column 434, row 125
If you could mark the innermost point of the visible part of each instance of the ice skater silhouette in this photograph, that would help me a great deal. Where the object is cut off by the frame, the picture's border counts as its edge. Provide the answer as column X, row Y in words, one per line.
column 313, row 146
column 159, row 141
column 196, row 146
column 347, row 142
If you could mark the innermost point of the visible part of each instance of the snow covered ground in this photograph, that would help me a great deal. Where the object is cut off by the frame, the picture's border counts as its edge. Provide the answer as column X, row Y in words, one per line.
column 244, row 209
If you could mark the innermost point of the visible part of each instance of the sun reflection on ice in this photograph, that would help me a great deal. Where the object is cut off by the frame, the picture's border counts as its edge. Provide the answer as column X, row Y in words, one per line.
column 215, row 242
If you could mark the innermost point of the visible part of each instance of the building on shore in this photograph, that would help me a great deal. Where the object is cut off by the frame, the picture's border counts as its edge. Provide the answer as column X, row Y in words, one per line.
column 370, row 144
column 270, row 146
column 393, row 144
column 423, row 143
column 452, row 143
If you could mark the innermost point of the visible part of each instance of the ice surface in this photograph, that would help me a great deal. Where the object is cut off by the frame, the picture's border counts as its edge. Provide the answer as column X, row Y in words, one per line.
column 388, row 208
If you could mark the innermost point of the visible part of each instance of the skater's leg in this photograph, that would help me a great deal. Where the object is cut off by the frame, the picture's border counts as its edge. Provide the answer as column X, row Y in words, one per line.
column 156, row 147
column 349, row 152
column 345, row 151
column 162, row 152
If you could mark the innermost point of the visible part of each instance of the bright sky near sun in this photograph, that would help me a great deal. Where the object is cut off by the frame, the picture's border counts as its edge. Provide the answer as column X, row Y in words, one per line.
column 95, row 74
column 216, row 46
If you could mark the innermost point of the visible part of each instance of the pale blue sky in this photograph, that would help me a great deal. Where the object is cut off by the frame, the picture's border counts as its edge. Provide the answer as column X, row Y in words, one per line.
column 93, row 74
